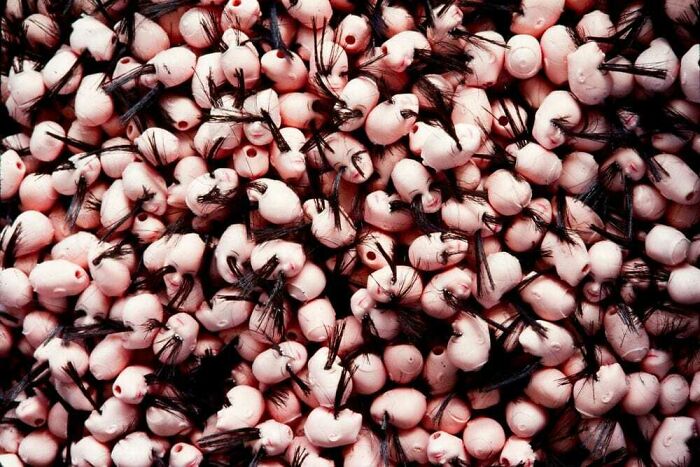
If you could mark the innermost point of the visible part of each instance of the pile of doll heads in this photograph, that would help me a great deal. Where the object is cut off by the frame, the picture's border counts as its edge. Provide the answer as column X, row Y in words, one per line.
column 361, row 233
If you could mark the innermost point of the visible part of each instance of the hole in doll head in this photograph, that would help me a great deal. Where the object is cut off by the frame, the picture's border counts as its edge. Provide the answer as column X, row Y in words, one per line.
column 182, row 124
column 439, row 350
column 125, row 60
column 78, row 273
column 251, row 152
column 436, row 435
column 371, row 255
column 178, row 447
column 414, row 129
column 117, row 389
column 236, row 3
column 142, row 217
column 280, row 54
column 20, row 166
column 350, row 39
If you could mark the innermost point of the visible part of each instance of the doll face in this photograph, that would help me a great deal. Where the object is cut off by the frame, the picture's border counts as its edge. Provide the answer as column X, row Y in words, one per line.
column 436, row 251
column 329, row 67
column 288, row 256
column 405, row 287
column 412, row 180
column 558, row 109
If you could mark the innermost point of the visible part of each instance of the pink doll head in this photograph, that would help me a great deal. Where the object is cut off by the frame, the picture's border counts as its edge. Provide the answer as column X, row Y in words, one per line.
column 177, row 339
column 469, row 347
column 690, row 73
column 534, row 17
column 488, row 51
column 436, row 251
column 610, row 385
column 325, row 430
column 277, row 202
column 114, row 419
column 483, row 438
column 413, row 182
column 408, row 415
column 547, row 388
column 643, row 394
column 449, row 415
column 444, row 449
column 349, row 157
column 669, row 444
column 552, row 343
column 95, row 37
column 38, row 448
column 444, row 291
column 659, row 56
column 328, row 70
column 370, row 374
column 557, row 112
column 261, row 104
column 523, row 58
column 402, row 285
column 134, row 449
column 88, row 451
column 185, row 455
column 278, row 364
column 392, row 119
column 333, row 229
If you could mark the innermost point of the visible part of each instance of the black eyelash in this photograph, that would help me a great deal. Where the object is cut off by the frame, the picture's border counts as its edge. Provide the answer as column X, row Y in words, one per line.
column 633, row 69
column 323, row 68
column 276, row 134
column 482, row 265
column 33, row 377
column 275, row 33
column 265, row 234
column 441, row 106
column 228, row 440
column 67, row 140
column 342, row 388
column 9, row 254
column 273, row 308
column 300, row 456
column 334, row 198
column 70, row 370
column 88, row 331
column 135, row 210
column 182, row 292
column 475, row 39
column 334, row 341
column 249, row 281
column 296, row 379
column 76, row 203
column 121, row 80
column 277, row 395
